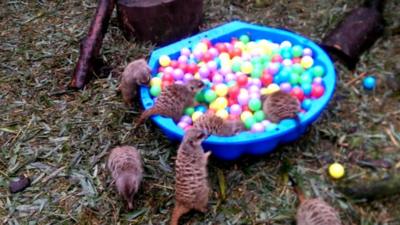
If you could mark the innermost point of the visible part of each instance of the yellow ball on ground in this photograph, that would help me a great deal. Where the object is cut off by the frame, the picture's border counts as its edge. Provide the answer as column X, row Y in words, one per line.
column 336, row 170
column 222, row 113
column 196, row 115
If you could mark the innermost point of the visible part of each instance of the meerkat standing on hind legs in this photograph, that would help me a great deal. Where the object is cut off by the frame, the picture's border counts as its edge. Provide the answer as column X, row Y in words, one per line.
column 191, row 182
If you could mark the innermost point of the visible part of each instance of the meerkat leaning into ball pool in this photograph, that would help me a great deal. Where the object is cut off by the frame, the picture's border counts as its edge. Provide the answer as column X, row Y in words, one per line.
column 215, row 125
column 280, row 105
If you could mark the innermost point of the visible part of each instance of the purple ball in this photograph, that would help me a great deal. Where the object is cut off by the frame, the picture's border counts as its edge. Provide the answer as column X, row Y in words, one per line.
column 286, row 87
column 307, row 52
column 178, row 74
column 287, row 62
column 256, row 82
column 255, row 95
column 204, row 72
column 243, row 99
column 169, row 70
column 183, row 59
column 254, row 89
column 182, row 125
column 230, row 77
column 179, row 82
column 317, row 80
column 235, row 109
column 197, row 54
column 265, row 123
column 217, row 78
column 257, row 128
column 225, row 70
column 273, row 68
column 187, row 77
column 212, row 65
column 185, row 51
column 213, row 52
column 186, row 119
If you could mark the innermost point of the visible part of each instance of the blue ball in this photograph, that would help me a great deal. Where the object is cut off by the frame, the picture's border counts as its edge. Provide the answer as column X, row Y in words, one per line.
column 369, row 83
column 200, row 108
column 306, row 88
column 306, row 104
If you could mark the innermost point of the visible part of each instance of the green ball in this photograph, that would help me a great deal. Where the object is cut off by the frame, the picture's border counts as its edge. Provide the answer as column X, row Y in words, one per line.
column 254, row 104
column 244, row 38
column 249, row 122
column 305, row 78
column 294, row 78
column 318, row 71
column 200, row 96
column 189, row 111
column 159, row 75
column 297, row 51
column 297, row 68
column 155, row 90
column 259, row 116
column 236, row 66
column 276, row 51
column 256, row 61
column 265, row 58
column 210, row 96
column 257, row 72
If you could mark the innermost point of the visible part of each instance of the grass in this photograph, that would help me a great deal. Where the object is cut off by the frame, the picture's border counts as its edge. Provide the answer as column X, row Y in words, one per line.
column 61, row 139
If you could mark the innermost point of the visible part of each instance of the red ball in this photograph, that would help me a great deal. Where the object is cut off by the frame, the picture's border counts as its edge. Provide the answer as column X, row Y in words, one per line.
column 161, row 69
column 233, row 91
column 231, row 101
column 233, row 41
column 317, row 90
column 277, row 58
column 221, row 47
column 242, row 80
column 266, row 78
column 235, row 52
column 207, row 57
column 229, row 47
column 192, row 68
column 296, row 60
column 183, row 66
column 245, row 108
column 174, row 64
column 207, row 42
column 165, row 83
column 298, row 93
column 167, row 77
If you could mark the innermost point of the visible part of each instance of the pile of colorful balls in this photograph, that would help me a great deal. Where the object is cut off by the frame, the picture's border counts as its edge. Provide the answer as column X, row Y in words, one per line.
column 237, row 74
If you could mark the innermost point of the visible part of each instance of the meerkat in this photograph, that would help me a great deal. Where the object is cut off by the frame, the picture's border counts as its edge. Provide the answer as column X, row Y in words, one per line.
column 280, row 105
column 135, row 73
column 125, row 165
column 173, row 100
column 215, row 125
column 191, row 182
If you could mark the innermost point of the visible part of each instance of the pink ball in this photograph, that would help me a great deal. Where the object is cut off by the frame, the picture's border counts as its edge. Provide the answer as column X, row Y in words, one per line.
column 287, row 62
column 256, row 82
column 178, row 74
column 243, row 99
column 185, row 51
column 230, row 77
column 169, row 70
column 204, row 72
column 235, row 109
column 225, row 70
column 265, row 123
column 307, row 52
column 179, row 82
column 212, row 65
column 186, row 119
column 317, row 90
column 286, row 87
column 254, row 89
column 187, row 77
column 183, row 59
column 187, row 127
column 217, row 78
column 257, row 127
column 182, row 125
column 317, row 80
column 254, row 95
column 197, row 54
column 273, row 68
column 213, row 52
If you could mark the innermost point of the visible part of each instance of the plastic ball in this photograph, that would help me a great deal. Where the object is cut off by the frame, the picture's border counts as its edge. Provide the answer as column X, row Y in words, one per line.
column 221, row 103
column 254, row 104
column 273, row 68
column 265, row 123
column 178, row 74
column 196, row 115
column 243, row 98
column 210, row 96
column 307, row 88
column 272, row 88
column 164, row 60
column 306, row 78
column 248, row 123
column 307, row 52
column 187, row 119
column 369, row 83
column 182, row 125
column 285, row 87
column 155, row 90
column 233, row 91
column 266, row 79
column 246, row 67
column 336, row 170
column 297, row 51
column 306, row 104
column 235, row 109
column 285, row 44
column 287, row 62
column 245, row 114
column 222, row 113
column 221, row 90
column 259, row 116
column 317, row 90
column 257, row 72
column 236, row 66
column 213, row 52
column 204, row 72
column 200, row 108
column 244, row 38
column 217, row 79
column 318, row 80
column 318, row 71
column 271, row 127
column 185, row 51
column 257, row 128
column 307, row 62
column 242, row 80
column 298, row 93
column 297, row 68
column 230, row 77
column 189, row 111
column 188, row 128
column 155, row 81
column 294, row 78
column 276, row 58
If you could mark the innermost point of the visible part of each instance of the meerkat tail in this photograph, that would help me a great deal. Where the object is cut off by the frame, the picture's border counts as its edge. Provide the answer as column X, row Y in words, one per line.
column 146, row 114
column 297, row 190
column 179, row 210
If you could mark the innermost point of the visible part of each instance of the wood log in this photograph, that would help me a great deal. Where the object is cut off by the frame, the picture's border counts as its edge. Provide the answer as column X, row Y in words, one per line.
column 159, row 21
column 356, row 33
column 90, row 47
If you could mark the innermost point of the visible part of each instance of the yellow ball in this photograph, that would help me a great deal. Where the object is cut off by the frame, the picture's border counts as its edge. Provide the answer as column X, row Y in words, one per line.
column 202, row 47
column 164, row 60
column 251, row 46
column 213, row 105
column 237, row 59
column 221, row 90
column 239, row 45
column 222, row 113
column 221, row 103
column 197, row 76
column 245, row 115
column 224, row 56
column 196, row 115
column 264, row 91
column 271, row 89
column 306, row 62
column 246, row 67
column 336, row 170
column 155, row 81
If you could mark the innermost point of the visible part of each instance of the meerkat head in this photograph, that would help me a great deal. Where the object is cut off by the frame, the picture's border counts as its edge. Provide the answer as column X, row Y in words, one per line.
column 237, row 126
column 195, row 136
column 144, row 72
column 195, row 85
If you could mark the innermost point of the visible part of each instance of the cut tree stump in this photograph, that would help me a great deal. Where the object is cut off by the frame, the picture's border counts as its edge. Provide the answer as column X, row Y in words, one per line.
column 159, row 21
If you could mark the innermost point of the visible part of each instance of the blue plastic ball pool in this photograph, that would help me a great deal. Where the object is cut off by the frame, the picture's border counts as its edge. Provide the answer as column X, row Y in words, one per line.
column 369, row 83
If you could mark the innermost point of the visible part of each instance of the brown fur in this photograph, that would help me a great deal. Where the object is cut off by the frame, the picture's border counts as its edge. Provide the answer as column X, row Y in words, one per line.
column 173, row 100
column 213, row 124
column 280, row 105
column 125, row 165
column 136, row 73
column 191, row 182
column 316, row 212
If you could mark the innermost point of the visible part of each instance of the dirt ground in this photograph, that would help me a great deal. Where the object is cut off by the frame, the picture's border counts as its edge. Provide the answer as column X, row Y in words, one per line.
column 61, row 139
